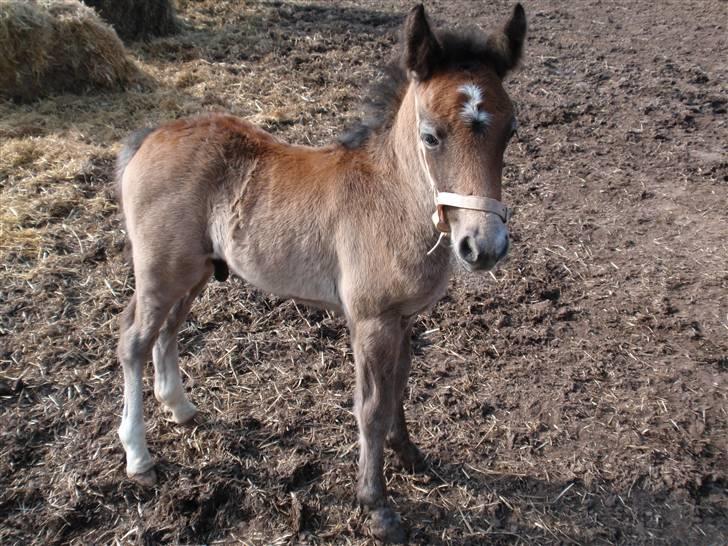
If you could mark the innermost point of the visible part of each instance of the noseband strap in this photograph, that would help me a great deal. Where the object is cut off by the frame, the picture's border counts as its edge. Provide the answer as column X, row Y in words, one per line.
column 473, row 202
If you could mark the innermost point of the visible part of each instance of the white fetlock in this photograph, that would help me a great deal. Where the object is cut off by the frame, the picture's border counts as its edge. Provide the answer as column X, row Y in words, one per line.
column 145, row 479
column 138, row 458
column 183, row 412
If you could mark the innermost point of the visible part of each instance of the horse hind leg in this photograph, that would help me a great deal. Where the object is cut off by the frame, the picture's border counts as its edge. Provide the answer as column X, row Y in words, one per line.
column 140, row 325
column 144, row 317
column 168, row 389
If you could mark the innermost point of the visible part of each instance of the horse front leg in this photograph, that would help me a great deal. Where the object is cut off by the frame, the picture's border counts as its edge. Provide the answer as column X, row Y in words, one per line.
column 398, row 439
column 377, row 342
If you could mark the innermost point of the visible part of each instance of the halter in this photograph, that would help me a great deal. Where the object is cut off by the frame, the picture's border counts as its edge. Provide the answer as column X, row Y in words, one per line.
column 455, row 200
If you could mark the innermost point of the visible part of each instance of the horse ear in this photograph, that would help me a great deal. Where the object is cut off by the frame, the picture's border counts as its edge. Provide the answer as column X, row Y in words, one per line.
column 422, row 50
column 508, row 43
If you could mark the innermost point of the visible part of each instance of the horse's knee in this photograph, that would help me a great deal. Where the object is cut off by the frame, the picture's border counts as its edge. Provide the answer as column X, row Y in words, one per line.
column 128, row 349
column 134, row 348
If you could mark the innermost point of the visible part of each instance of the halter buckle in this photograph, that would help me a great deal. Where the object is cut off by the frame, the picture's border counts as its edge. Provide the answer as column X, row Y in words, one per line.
column 440, row 220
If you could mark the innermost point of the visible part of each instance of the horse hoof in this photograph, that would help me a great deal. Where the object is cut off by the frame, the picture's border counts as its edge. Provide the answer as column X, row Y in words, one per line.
column 145, row 479
column 184, row 415
column 386, row 525
column 411, row 458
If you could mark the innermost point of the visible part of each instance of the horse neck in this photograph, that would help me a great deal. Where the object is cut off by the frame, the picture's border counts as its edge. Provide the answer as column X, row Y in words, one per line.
column 409, row 191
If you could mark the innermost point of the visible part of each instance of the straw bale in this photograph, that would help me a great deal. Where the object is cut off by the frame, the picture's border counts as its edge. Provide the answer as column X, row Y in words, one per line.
column 59, row 46
column 136, row 19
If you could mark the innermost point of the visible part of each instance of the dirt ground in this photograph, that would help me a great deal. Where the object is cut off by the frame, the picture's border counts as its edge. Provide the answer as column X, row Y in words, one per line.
column 579, row 395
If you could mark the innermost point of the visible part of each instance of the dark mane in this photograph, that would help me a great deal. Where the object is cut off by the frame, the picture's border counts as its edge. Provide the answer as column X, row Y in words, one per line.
column 464, row 50
column 379, row 107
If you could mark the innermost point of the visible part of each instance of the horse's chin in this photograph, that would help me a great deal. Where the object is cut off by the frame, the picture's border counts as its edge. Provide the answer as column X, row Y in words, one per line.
column 466, row 266
column 469, row 268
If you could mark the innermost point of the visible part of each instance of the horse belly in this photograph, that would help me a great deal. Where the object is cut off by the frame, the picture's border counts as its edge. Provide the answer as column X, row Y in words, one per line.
column 299, row 277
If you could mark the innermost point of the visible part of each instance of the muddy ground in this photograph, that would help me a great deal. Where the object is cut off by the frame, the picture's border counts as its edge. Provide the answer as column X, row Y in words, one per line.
column 577, row 396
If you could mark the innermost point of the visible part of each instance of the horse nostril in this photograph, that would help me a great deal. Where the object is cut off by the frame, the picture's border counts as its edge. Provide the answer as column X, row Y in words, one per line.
column 468, row 249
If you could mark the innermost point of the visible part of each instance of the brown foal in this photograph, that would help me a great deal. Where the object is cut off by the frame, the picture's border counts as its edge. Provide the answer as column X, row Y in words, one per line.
column 356, row 226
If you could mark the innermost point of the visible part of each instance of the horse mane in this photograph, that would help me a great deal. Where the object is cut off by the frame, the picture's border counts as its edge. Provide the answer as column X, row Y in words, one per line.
column 462, row 50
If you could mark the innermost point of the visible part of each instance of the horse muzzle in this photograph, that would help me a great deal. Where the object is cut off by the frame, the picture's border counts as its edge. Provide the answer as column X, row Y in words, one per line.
column 480, row 246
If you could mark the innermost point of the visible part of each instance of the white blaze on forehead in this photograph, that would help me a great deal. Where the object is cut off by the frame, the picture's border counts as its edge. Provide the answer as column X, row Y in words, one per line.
column 471, row 112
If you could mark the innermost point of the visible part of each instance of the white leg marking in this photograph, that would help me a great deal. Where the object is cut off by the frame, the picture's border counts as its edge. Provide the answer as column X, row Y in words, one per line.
column 131, row 431
column 168, row 387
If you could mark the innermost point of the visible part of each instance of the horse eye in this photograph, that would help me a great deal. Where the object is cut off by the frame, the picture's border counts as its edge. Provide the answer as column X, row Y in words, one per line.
column 430, row 140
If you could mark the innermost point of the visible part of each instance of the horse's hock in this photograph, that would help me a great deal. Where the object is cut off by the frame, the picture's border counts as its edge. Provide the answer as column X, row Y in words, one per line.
column 60, row 46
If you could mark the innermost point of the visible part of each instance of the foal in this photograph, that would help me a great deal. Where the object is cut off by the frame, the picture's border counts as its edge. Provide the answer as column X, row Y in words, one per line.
column 347, row 227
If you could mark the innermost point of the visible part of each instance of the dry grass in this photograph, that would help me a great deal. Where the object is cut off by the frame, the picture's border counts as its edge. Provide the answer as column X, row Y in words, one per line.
column 56, row 46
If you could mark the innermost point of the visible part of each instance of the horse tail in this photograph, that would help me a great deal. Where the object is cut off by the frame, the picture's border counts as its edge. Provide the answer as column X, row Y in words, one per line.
column 131, row 146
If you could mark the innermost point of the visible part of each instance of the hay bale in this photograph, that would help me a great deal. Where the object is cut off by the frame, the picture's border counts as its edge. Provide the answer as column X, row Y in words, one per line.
column 59, row 46
column 136, row 19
